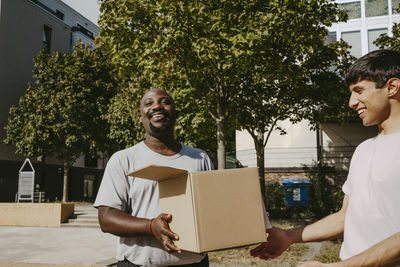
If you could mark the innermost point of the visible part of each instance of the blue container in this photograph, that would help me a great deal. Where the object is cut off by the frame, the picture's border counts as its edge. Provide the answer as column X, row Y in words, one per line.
column 296, row 191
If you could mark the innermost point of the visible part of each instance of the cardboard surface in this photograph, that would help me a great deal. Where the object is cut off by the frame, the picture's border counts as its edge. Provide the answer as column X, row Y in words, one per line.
column 211, row 209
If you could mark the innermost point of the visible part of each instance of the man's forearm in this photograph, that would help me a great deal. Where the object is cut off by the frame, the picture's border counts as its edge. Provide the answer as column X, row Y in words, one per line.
column 385, row 253
column 327, row 228
column 122, row 224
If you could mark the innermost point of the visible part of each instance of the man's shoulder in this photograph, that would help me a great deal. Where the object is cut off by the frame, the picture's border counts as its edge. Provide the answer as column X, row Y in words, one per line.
column 199, row 156
column 366, row 144
column 126, row 152
column 193, row 150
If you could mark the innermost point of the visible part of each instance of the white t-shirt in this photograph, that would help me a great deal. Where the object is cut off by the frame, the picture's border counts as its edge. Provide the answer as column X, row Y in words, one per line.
column 140, row 198
column 373, row 188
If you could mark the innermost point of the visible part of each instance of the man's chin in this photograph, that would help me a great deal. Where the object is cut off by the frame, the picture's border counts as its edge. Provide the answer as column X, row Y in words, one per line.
column 161, row 129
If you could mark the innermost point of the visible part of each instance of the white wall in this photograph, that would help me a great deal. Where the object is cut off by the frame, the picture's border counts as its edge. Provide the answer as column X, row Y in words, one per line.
column 72, row 17
column 298, row 147
column 294, row 149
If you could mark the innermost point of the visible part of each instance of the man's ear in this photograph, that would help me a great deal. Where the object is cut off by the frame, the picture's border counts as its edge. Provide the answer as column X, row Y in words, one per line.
column 393, row 86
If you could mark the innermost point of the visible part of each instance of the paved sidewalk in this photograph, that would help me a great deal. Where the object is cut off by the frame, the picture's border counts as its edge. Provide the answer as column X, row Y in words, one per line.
column 58, row 247
column 45, row 247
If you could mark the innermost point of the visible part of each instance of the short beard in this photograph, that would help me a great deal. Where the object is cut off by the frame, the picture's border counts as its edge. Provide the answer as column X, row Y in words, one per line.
column 166, row 128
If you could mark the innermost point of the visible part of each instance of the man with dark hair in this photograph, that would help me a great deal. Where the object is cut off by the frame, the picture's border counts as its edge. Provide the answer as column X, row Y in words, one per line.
column 369, row 219
column 129, row 207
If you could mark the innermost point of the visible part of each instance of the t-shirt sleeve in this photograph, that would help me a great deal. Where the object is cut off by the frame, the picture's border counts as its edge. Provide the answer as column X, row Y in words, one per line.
column 346, row 188
column 208, row 165
column 357, row 157
column 114, row 187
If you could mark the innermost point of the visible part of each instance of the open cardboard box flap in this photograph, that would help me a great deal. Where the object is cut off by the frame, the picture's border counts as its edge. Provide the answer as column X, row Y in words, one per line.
column 158, row 173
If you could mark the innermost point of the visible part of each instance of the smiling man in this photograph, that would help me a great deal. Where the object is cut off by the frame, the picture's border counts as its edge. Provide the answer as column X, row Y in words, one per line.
column 369, row 219
column 129, row 207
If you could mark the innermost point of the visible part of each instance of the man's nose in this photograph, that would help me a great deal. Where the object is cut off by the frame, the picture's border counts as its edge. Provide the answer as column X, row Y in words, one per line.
column 353, row 101
column 156, row 106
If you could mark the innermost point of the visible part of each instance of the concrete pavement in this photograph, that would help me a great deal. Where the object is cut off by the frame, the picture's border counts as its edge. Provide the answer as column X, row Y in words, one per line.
column 58, row 247
column 34, row 246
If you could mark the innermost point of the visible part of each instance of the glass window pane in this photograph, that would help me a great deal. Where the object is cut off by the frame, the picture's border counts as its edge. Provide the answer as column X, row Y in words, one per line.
column 372, row 36
column 352, row 9
column 47, row 38
column 395, row 6
column 330, row 38
column 375, row 8
column 353, row 39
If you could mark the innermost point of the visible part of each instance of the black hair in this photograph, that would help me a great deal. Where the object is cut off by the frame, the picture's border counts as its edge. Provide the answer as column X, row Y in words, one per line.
column 377, row 66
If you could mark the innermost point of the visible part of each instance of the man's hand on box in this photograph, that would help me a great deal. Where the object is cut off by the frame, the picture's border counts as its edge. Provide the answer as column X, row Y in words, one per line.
column 160, row 230
column 277, row 242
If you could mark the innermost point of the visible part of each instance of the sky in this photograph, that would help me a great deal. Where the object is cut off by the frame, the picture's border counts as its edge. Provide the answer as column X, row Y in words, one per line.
column 88, row 8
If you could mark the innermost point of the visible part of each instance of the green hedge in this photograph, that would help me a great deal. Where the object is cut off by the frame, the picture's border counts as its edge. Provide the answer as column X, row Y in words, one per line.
column 325, row 196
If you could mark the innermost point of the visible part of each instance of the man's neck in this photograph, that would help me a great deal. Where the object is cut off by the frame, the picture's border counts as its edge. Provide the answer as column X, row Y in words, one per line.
column 165, row 146
column 392, row 123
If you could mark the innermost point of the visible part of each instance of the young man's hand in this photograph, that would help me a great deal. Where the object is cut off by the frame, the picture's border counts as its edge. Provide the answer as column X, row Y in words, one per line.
column 277, row 242
column 160, row 230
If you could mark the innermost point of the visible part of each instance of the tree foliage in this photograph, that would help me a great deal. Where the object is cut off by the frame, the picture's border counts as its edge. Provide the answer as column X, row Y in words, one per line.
column 61, row 113
column 184, row 46
column 247, row 59
column 291, row 73
column 391, row 42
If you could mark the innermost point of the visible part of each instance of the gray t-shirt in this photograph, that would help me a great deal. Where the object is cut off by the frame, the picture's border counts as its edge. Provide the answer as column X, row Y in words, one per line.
column 140, row 198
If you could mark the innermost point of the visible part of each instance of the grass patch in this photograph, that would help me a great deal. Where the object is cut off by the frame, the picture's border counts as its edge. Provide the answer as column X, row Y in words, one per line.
column 330, row 251
column 241, row 256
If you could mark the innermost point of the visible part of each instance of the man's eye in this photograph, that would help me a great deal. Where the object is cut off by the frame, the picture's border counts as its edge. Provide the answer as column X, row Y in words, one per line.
column 147, row 104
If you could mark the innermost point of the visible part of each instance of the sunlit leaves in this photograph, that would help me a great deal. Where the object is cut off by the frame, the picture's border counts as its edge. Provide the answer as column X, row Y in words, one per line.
column 247, row 62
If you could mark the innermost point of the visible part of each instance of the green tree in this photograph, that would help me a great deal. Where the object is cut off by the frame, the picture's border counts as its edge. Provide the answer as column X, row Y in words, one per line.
column 211, row 52
column 392, row 42
column 192, row 42
column 291, row 73
column 61, row 113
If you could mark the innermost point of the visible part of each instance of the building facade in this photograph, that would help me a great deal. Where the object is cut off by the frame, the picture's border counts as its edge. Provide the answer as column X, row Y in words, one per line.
column 290, row 154
column 26, row 27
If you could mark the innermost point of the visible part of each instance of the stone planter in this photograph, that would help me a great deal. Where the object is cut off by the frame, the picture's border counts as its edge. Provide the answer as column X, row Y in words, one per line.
column 35, row 214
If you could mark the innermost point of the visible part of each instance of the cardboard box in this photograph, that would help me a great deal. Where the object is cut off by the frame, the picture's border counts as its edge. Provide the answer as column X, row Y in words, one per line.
column 211, row 209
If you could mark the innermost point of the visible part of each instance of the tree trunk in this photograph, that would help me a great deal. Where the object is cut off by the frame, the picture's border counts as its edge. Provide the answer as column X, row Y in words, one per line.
column 221, row 141
column 259, row 146
column 65, row 185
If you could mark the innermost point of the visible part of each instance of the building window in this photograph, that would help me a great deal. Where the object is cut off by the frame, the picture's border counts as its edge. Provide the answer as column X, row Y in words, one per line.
column 83, row 30
column 395, row 6
column 88, row 181
column 353, row 39
column 372, row 36
column 330, row 38
column 46, row 38
column 374, row 8
column 59, row 14
column 353, row 9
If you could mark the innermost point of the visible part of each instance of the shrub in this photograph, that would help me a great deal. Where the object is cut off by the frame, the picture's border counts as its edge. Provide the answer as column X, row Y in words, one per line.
column 325, row 196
